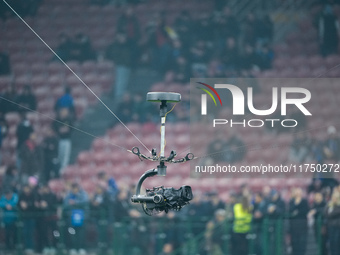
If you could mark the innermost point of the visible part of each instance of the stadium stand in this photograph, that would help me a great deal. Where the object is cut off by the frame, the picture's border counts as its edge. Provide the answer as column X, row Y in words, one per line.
column 32, row 63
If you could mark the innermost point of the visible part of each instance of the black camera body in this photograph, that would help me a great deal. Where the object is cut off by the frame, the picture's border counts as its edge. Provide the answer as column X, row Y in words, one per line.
column 161, row 199
column 165, row 199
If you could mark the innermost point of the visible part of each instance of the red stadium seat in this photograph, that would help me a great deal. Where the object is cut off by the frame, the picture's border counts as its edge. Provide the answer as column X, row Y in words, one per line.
column 315, row 61
column 80, row 105
column 71, row 172
column 38, row 81
column 12, row 118
column 89, row 186
column 57, row 186
column 85, row 158
column 281, row 63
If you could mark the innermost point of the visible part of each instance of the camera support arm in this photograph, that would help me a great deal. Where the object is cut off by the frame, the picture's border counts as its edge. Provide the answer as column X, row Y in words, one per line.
column 149, row 173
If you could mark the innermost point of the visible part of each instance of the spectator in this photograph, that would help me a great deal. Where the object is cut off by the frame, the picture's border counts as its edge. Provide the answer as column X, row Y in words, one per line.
column 46, row 204
column 182, row 70
column 241, row 226
column 230, row 56
column 50, row 147
column 329, row 181
column 300, row 148
column 167, row 249
column 27, row 100
column 3, row 131
column 249, row 59
column 252, row 26
column 81, row 49
column 328, row 25
column 199, row 57
column 8, row 204
column 5, row 67
column 225, row 25
column 275, row 212
column 75, row 210
column 214, row 203
column 158, row 39
column 138, row 108
column 11, row 180
column 199, row 211
column 32, row 158
column 317, row 151
column 24, row 130
column 332, row 215
column 124, row 108
column 62, row 127
column 128, row 25
column 315, row 214
column 216, row 233
column 267, row 193
column 245, row 191
column 99, row 203
column 184, row 27
column 232, row 27
column 120, row 53
column 173, row 230
column 99, row 207
column 33, row 182
column 276, row 207
column 137, row 230
column 205, row 31
column 9, row 103
column 316, row 185
column 177, row 50
column 265, row 56
column 76, row 197
column 298, row 210
column 331, row 146
column 66, row 101
column 109, row 183
column 64, row 48
column 28, row 211
column 259, row 213
column 266, row 30
column 230, row 206
column 122, row 207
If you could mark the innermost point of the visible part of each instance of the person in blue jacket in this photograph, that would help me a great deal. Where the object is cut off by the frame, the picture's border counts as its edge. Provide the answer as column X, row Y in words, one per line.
column 8, row 204
column 75, row 206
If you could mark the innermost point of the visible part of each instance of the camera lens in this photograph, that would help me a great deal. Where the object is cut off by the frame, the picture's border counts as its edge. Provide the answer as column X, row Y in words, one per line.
column 158, row 199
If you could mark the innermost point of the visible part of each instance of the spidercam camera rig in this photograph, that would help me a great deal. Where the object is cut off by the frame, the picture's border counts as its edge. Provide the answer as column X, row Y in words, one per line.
column 160, row 198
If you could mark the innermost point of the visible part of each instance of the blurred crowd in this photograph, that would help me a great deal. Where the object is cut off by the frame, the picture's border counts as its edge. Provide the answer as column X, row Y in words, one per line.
column 39, row 209
column 305, row 148
column 215, row 44
column 43, row 158
column 265, row 213
column 246, row 219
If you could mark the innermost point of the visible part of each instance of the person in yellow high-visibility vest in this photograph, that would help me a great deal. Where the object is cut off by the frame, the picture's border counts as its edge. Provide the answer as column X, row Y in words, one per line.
column 242, row 226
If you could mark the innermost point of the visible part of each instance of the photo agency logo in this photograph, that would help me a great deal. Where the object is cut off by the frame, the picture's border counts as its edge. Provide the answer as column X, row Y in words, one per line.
column 295, row 96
